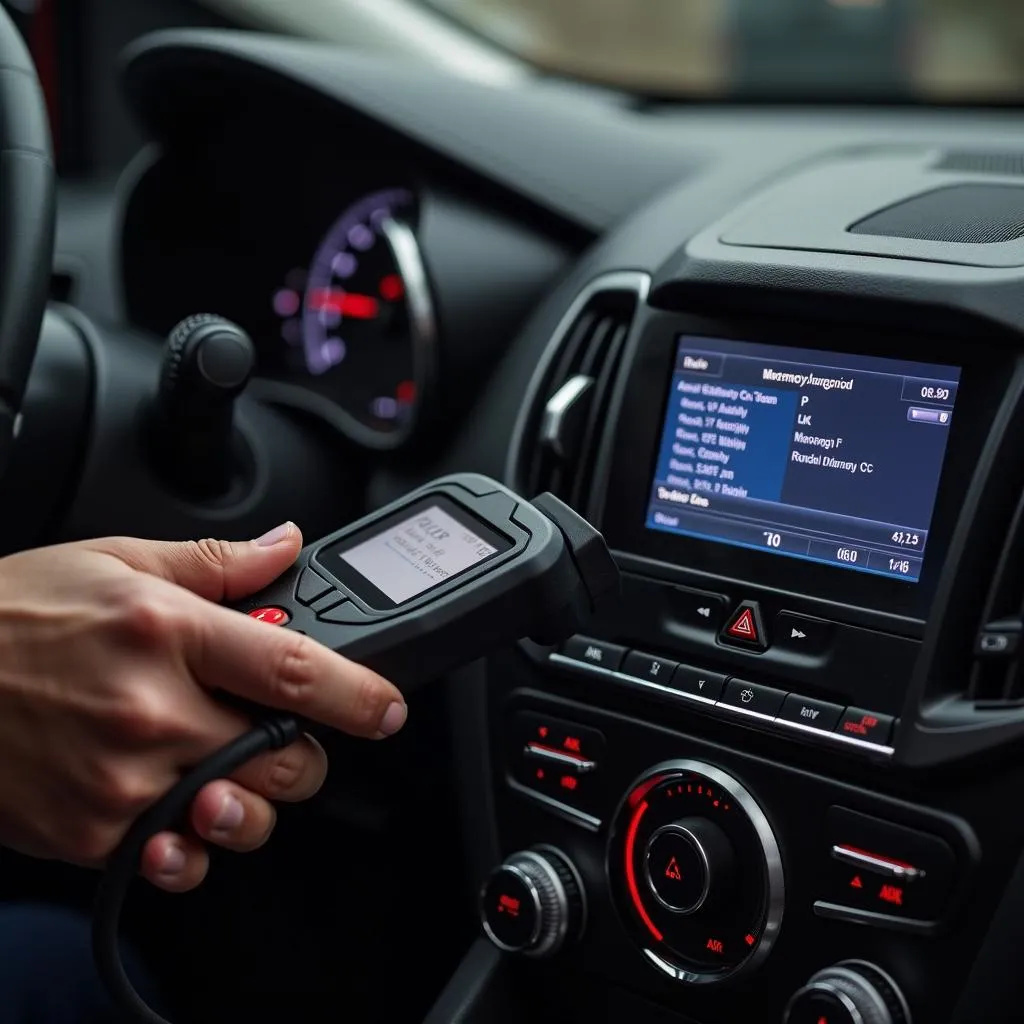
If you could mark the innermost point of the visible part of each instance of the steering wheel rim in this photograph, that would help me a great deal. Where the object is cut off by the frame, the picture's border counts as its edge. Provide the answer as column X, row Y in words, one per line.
column 27, row 216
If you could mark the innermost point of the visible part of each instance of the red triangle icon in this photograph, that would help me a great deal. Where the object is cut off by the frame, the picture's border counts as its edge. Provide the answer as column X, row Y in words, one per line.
column 856, row 883
column 673, row 872
column 744, row 628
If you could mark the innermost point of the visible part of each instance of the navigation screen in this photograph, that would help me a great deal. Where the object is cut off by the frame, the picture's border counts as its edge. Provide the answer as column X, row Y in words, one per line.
column 819, row 456
column 412, row 555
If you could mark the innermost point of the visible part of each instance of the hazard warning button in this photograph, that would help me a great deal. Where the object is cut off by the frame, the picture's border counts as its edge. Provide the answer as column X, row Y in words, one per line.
column 678, row 871
column 745, row 628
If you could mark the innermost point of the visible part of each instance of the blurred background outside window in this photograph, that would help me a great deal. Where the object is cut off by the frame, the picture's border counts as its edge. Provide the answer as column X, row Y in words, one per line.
column 941, row 50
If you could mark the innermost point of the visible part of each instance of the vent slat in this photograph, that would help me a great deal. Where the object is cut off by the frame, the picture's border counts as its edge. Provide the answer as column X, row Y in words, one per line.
column 602, row 392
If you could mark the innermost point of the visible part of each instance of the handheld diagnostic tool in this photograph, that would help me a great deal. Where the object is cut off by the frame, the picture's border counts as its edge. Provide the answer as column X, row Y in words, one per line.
column 427, row 584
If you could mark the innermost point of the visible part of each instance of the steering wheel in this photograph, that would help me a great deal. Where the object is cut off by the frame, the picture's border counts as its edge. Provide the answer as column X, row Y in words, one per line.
column 27, row 213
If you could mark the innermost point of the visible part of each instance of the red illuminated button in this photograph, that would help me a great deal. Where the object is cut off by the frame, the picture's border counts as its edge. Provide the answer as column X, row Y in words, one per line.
column 271, row 616
column 869, row 726
column 745, row 628
column 891, row 894
column 677, row 869
column 510, row 909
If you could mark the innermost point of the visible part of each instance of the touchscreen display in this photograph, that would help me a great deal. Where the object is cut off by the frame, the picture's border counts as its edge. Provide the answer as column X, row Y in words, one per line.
column 411, row 555
column 813, row 455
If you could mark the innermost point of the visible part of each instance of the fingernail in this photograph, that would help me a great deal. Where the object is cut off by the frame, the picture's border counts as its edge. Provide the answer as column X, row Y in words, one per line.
column 274, row 536
column 174, row 860
column 230, row 815
column 394, row 719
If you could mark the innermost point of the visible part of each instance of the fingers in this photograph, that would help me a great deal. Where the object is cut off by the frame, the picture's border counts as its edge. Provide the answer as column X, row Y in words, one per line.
column 291, row 775
column 230, row 816
column 236, row 815
column 174, row 863
column 281, row 669
column 217, row 570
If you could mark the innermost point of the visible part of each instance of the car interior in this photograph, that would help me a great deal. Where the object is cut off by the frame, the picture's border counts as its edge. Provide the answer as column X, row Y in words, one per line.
column 714, row 275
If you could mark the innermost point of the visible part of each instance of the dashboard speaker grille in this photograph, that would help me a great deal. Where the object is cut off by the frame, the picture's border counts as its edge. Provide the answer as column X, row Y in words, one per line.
column 1008, row 164
column 977, row 214
column 569, row 398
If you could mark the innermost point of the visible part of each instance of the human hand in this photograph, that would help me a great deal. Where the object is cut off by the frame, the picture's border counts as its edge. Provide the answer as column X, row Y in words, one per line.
column 109, row 651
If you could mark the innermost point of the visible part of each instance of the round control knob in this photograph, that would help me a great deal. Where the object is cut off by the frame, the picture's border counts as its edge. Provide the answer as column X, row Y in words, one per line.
column 696, row 873
column 851, row 992
column 207, row 363
column 533, row 903
column 686, row 862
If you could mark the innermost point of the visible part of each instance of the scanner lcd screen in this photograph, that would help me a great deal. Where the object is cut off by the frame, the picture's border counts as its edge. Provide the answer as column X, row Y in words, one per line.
column 414, row 554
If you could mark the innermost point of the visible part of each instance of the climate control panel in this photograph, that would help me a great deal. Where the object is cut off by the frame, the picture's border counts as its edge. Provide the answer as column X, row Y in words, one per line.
column 716, row 876
column 695, row 872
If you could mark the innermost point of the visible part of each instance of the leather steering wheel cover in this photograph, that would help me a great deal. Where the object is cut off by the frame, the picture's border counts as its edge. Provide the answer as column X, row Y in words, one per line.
column 27, row 215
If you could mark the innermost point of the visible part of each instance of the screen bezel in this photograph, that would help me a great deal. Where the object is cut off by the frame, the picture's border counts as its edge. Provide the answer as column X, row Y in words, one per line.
column 637, row 435
column 330, row 560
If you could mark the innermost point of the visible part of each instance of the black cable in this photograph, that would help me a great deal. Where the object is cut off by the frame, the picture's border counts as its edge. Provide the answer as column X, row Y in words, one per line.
column 123, row 866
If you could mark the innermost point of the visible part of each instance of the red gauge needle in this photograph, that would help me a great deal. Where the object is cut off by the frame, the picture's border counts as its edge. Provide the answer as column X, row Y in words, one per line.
column 350, row 304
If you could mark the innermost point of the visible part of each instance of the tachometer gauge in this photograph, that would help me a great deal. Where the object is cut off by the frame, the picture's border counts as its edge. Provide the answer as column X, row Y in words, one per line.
column 361, row 330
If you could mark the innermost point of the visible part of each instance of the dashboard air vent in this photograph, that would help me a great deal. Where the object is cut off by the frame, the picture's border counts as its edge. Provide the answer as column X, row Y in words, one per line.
column 980, row 161
column 997, row 674
column 569, row 395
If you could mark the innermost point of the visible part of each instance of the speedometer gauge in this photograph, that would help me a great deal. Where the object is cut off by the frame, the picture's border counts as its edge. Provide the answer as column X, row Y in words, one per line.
column 362, row 330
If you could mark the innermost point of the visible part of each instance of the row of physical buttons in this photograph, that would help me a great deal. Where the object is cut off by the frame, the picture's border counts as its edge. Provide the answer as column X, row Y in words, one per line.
column 321, row 597
column 745, row 629
column 714, row 688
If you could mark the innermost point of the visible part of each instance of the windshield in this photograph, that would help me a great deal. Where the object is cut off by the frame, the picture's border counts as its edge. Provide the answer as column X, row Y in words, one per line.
column 940, row 50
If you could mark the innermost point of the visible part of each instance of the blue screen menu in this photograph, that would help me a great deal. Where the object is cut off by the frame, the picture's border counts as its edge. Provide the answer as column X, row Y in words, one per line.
column 814, row 455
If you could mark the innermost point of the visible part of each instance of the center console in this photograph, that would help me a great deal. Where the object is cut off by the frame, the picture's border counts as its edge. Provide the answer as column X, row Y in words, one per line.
column 773, row 782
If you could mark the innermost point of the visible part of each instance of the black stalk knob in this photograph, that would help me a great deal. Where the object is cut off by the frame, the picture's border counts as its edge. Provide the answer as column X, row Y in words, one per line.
column 207, row 363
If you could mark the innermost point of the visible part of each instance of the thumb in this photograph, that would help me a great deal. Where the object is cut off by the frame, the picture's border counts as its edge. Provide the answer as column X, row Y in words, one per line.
column 217, row 570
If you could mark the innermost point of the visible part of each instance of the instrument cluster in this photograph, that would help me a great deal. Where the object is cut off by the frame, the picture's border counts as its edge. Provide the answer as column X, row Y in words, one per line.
column 356, row 324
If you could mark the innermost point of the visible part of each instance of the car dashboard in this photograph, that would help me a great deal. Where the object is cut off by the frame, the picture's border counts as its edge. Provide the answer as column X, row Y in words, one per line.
column 776, row 356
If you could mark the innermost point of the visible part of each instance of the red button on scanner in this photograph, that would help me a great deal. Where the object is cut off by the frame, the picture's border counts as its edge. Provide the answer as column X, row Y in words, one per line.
column 271, row 616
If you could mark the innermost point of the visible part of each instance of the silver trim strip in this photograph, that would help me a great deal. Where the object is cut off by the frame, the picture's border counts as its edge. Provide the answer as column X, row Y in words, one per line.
column 558, row 406
column 837, row 912
column 543, row 754
column 616, row 281
column 826, row 738
column 588, row 821
column 878, row 865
